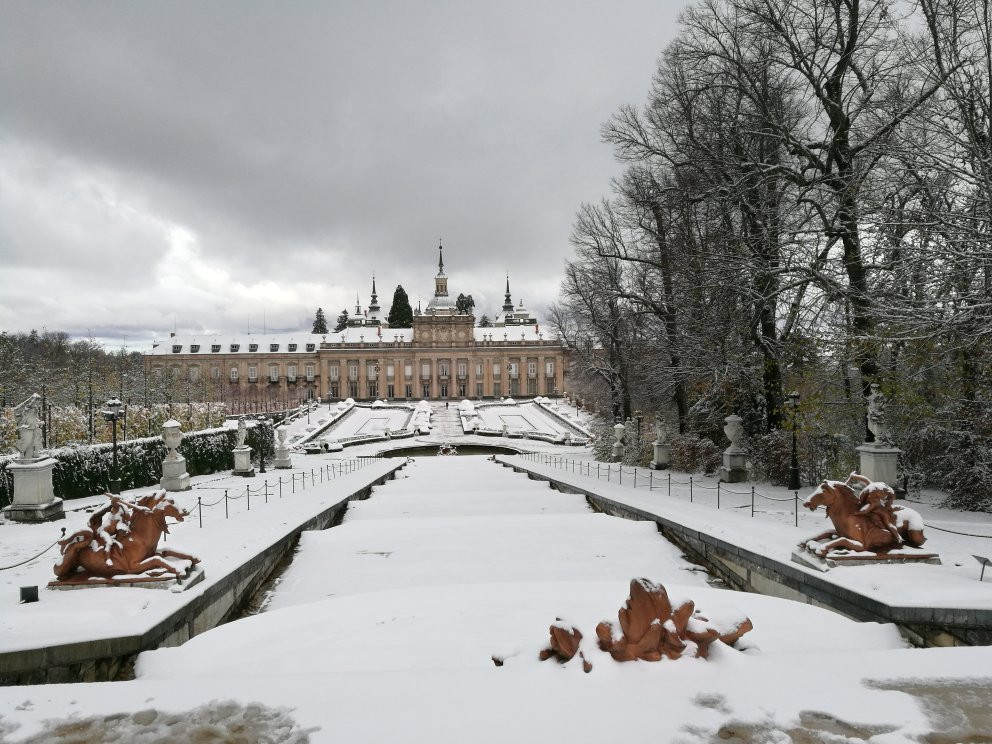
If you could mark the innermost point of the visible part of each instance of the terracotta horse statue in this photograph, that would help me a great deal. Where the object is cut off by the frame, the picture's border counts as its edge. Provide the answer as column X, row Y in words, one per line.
column 122, row 539
column 863, row 522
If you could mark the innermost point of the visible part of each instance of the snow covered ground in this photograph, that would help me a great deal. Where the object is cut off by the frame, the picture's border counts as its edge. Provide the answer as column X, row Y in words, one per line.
column 383, row 629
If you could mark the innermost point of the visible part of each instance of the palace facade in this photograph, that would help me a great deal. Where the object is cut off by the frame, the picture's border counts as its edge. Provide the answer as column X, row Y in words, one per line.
column 445, row 355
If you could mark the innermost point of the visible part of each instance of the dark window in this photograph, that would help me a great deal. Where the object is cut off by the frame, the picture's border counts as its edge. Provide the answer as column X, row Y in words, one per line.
column 235, row 347
column 252, row 347
column 176, row 349
column 194, row 348
column 292, row 347
column 310, row 347
column 215, row 348
column 273, row 347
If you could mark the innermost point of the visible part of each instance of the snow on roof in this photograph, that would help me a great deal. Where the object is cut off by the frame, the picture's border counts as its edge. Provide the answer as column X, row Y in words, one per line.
column 302, row 343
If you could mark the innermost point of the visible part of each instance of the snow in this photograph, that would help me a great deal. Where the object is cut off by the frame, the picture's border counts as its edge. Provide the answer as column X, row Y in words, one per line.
column 384, row 628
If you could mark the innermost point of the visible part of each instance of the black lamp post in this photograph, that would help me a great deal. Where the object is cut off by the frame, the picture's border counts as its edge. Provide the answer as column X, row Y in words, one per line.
column 794, row 462
column 111, row 413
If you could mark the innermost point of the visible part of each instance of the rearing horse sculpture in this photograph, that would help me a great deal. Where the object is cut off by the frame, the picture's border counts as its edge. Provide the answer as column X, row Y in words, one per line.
column 122, row 539
column 865, row 522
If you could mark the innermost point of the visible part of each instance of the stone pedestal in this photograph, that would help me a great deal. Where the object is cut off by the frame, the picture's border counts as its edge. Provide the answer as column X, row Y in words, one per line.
column 242, row 462
column 662, row 456
column 174, row 475
column 879, row 464
column 734, row 468
column 34, row 496
column 282, row 460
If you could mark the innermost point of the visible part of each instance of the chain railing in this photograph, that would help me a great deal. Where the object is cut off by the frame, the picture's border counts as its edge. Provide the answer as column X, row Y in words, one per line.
column 609, row 470
column 316, row 476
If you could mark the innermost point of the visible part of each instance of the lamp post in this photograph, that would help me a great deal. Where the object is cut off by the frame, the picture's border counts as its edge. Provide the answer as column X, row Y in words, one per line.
column 638, row 416
column 794, row 461
column 111, row 413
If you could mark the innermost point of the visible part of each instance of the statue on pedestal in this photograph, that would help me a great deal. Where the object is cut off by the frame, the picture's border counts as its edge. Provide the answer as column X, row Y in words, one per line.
column 29, row 428
column 242, row 432
column 877, row 424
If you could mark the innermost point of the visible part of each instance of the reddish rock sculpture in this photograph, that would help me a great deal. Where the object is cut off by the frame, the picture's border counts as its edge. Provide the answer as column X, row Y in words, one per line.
column 865, row 522
column 651, row 628
column 565, row 641
column 122, row 539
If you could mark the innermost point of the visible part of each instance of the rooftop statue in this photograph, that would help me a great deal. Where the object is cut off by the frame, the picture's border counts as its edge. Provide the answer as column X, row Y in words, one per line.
column 863, row 522
column 122, row 538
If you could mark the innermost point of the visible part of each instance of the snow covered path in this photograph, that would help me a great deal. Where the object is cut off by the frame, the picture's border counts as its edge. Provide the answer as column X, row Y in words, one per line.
column 383, row 629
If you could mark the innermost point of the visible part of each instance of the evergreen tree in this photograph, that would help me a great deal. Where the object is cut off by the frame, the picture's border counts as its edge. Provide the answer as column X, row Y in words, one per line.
column 319, row 322
column 464, row 304
column 400, row 311
column 342, row 321
column 484, row 322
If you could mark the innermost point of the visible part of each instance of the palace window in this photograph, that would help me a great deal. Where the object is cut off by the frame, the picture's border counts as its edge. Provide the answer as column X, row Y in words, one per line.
column 252, row 347
column 390, row 391
column 532, row 369
column 425, row 369
column 532, row 386
column 234, row 374
column 478, row 390
column 291, row 373
column 408, row 372
column 462, row 369
column 235, row 347
column 373, row 389
column 478, row 369
column 353, row 372
column 461, row 390
column 513, row 367
column 549, row 369
column 252, row 373
column 390, row 371
column 372, row 371
column 215, row 348
column 273, row 347
column 194, row 374
column 333, row 372
column 496, row 370
column 177, row 348
column 409, row 391
column 273, row 373
column 352, row 389
column 194, row 348
column 427, row 390
column 332, row 390
column 442, row 369
column 292, row 347
column 309, row 369
column 497, row 389
column 215, row 373
column 310, row 347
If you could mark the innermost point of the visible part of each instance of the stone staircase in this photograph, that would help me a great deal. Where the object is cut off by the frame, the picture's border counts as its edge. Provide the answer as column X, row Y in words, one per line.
column 446, row 421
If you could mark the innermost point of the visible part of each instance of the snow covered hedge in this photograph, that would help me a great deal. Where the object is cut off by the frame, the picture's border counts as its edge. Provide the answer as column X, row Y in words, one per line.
column 85, row 470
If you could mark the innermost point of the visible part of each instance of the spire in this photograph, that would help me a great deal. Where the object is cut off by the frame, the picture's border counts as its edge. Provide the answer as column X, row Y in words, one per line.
column 374, row 302
column 507, row 300
column 440, row 281
column 358, row 305
column 440, row 258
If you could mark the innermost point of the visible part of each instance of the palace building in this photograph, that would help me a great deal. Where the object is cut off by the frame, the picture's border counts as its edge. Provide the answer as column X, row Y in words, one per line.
column 444, row 355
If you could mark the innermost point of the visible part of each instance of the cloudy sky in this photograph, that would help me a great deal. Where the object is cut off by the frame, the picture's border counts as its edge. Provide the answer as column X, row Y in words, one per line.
column 195, row 165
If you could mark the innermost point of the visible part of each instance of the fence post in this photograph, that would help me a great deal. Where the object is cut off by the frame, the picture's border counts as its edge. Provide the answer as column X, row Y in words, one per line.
column 650, row 480
column 752, row 502
column 226, row 515
column 597, row 471
column 249, row 498
column 609, row 469
column 266, row 491
column 635, row 476
column 797, row 508
column 669, row 482
column 718, row 495
column 690, row 489
column 620, row 470
column 199, row 509
column 294, row 483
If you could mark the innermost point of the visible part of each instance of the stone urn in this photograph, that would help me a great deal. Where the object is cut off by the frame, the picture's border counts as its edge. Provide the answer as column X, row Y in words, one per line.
column 282, row 459
column 172, row 435
column 174, row 475
column 618, row 430
column 734, row 468
column 662, row 450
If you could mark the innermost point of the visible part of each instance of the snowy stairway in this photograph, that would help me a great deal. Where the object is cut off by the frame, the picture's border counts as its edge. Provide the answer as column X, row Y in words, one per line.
column 445, row 421
column 450, row 521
